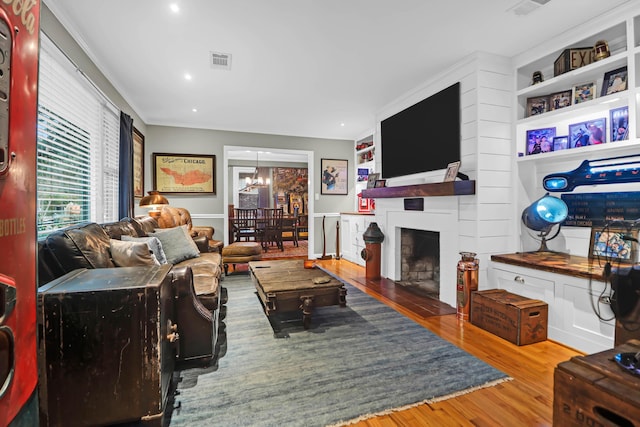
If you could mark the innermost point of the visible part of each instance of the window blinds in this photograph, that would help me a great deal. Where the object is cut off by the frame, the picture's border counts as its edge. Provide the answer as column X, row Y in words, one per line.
column 77, row 144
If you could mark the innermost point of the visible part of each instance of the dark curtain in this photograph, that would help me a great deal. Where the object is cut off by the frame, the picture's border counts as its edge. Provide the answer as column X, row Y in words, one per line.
column 125, row 200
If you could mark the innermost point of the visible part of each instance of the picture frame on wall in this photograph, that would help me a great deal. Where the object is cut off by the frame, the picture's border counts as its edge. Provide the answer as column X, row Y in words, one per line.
column 184, row 173
column 537, row 105
column 560, row 100
column 619, row 124
column 613, row 244
column 334, row 176
column 540, row 140
column 584, row 92
column 591, row 132
column 137, row 169
column 614, row 81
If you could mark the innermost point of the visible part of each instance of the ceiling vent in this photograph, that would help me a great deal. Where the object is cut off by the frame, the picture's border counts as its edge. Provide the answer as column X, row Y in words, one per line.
column 220, row 61
column 525, row 7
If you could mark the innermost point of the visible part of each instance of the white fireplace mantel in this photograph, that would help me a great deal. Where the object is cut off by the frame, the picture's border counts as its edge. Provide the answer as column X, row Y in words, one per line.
column 441, row 215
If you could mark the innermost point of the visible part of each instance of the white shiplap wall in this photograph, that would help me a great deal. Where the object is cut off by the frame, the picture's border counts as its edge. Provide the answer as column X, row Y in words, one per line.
column 485, row 221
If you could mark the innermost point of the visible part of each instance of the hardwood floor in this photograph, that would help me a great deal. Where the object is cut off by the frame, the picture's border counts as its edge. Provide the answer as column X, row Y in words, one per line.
column 527, row 400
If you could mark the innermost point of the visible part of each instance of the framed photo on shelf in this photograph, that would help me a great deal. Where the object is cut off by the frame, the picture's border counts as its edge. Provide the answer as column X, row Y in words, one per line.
column 452, row 171
column 334, row 176
column 373, row 177
column 619, row 124
column 138, row 164
column 540, row 140
column 584, row 92
column 560, row 100
column 592, row 132
column 537, row 105
column 614, row 81
column 380, row 183
column 560, row 143
column 613, row 244
column 363, row 174
column 184, row 173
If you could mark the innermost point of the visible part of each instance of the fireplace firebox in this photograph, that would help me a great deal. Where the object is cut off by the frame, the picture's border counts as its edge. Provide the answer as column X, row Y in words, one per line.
column 420, row 261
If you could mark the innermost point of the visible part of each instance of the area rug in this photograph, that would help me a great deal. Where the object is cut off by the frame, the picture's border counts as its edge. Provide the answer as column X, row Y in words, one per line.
column 354, row 362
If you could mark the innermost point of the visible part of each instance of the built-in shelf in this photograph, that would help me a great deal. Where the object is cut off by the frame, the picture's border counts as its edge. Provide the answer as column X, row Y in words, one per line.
column 452, row 188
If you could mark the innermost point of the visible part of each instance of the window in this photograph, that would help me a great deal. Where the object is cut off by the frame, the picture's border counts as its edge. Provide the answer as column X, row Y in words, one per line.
column 78, row 144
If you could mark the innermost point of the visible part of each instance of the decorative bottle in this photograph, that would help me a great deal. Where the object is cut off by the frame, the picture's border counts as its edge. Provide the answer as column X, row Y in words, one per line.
column 467, row 282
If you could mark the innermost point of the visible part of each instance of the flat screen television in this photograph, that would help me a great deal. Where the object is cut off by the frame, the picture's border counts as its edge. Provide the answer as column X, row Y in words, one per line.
column 423, row 137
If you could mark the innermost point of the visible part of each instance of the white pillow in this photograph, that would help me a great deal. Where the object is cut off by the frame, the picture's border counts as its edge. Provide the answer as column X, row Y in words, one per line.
column 154, row 244
column 131, row 254
column 177, row 244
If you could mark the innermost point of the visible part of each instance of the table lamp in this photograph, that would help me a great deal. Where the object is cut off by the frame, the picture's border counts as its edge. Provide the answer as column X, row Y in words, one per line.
column 154, row 202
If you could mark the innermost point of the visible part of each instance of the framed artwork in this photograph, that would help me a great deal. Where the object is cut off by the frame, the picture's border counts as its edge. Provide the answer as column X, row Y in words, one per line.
column 373, row 177
column 138, row 164
column 619, row 124
column 184, row 173
column 613, row 244
column 560, row 100
column 614, row 81
column 537, row 105
column 560, row 143
column 592, row 132
column 584, row 92
column 540, row 140
column 334, row 176
column 363, row 174
column 452, row 171
column 380, row 183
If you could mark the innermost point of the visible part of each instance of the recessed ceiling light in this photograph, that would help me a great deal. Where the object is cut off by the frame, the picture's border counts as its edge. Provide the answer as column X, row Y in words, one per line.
column 187, row 76
column 342, row 124
column 174, row 8
column 195, row 110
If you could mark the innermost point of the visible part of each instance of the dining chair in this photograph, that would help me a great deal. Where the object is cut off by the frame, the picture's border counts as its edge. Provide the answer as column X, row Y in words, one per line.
column 245, row 225
column 271, row 228
column 290, row 228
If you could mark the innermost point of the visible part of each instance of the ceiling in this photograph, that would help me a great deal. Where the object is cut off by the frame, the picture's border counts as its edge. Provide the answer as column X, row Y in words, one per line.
column 316, row 68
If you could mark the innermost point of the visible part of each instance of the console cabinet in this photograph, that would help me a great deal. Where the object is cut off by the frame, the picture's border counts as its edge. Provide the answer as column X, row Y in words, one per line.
column 572, row 319
column 352, row 226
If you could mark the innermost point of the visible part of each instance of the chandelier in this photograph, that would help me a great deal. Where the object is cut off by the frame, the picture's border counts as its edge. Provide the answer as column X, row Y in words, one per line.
column 257, row 180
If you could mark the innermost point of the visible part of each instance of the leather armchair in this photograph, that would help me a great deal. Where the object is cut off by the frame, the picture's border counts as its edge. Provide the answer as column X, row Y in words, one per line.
column 173, row 217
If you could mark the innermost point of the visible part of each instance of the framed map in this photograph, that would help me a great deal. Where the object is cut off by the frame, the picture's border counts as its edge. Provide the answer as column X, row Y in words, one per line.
column 184, row 173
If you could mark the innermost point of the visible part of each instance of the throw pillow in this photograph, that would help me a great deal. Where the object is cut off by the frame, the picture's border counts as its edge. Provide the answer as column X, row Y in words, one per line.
column 131, row 254
column 154, row 244
column 177, row 244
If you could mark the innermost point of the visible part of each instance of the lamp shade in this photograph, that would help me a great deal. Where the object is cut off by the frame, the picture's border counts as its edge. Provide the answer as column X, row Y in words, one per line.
column 153, row 199
column 544, row 213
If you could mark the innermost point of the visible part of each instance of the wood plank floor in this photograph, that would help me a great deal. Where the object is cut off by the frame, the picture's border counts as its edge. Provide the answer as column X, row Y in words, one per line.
column 527, row 400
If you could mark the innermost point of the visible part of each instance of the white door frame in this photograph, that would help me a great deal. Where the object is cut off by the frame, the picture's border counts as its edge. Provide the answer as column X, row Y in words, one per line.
column 310, row 186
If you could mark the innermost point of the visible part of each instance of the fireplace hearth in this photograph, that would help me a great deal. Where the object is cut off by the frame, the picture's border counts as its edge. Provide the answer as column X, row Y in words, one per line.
column 420, row 262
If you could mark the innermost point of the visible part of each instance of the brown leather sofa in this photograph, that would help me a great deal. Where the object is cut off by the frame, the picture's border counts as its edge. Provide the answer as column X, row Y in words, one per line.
column 197, row 280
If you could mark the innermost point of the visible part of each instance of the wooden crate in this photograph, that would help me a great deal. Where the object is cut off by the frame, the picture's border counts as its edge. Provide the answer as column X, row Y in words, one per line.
column 594, row 391
column 513, row 317
column 570, row 59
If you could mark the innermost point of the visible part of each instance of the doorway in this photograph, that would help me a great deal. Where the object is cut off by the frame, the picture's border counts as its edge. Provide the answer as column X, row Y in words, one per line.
column 281, row 157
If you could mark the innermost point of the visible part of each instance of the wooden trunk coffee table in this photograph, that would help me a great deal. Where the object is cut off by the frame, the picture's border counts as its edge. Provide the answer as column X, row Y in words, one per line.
column 288, row 286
